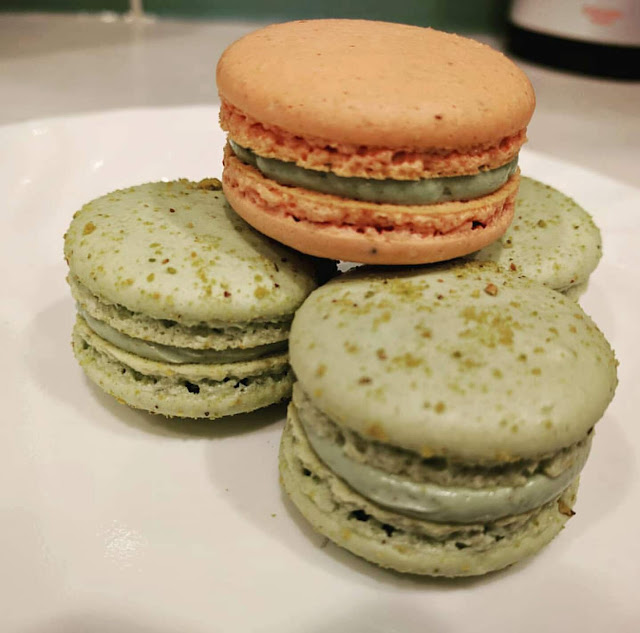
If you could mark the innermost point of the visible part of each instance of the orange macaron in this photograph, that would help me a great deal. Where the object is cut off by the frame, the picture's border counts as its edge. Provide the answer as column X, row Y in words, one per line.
column 370, row 141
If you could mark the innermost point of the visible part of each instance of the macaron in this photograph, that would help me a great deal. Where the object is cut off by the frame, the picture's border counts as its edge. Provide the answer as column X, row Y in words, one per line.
column 183, row 309
column 372, row 142
column 552, row 240
column 439, row 423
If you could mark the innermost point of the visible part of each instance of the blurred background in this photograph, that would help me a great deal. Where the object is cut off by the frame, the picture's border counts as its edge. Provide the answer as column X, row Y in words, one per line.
column 61, row 57
column 469, row 15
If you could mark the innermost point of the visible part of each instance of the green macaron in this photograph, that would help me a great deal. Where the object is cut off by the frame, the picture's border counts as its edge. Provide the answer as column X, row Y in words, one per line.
column 183, row 309
column 439, row 424
column 552, row 239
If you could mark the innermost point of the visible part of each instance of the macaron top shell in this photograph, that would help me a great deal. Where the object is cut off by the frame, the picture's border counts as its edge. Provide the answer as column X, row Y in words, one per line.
column 551, row 239
column 469, row 362
column 376, row 84
column 177, row 251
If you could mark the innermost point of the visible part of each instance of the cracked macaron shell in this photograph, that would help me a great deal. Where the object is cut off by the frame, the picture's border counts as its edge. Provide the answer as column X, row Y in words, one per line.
column 470, row 362
column 177, row 251
column 552, row 239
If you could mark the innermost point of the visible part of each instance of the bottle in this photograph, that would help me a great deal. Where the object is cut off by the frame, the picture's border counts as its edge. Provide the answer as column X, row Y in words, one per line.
column 595, row 37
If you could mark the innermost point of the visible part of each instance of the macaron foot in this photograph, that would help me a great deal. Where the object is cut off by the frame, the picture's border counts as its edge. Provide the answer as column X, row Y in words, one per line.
column 406, row 545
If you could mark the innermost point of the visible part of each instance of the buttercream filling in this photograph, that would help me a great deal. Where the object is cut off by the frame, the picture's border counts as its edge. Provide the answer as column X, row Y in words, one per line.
column 405, row 192
column 441, row 504
column 175, row 355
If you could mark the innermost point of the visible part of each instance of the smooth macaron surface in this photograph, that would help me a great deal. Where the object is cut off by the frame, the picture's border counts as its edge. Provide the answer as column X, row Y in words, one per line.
column 552, row 239
column 469, row 361
column 177, row 251
column 372, row 83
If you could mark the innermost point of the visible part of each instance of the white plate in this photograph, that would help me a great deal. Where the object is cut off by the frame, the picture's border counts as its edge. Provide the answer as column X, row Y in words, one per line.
column 114, row 520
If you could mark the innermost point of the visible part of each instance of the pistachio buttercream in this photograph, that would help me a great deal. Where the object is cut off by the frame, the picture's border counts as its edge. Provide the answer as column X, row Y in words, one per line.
column 432, row 501
column 170, row 354
column 405, row 192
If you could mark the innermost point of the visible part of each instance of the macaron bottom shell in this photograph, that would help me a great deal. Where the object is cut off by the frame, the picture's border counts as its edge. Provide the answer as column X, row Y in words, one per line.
column 190, row 391
column 400, row 543
column 328, row 226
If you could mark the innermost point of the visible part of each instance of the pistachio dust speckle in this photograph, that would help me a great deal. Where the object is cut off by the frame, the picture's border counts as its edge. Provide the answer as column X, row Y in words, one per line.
column 421, row 371
column 551, row 240
column 181, row 240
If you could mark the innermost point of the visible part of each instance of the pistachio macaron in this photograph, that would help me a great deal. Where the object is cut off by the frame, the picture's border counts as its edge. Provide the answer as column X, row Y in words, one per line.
column 372, row 142
column 552, row 239
column 183, row 309
column 439, row 423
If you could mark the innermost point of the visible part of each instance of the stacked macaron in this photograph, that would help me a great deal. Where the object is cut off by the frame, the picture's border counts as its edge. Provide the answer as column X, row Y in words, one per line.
column 183, row 309
column 372, row 142
column 438, row 425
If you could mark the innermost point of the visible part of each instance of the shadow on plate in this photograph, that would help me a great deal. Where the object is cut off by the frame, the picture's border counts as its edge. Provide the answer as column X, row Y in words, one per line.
column 185, row 428
column 98, row 622
column 568, row 599
column 607, row 478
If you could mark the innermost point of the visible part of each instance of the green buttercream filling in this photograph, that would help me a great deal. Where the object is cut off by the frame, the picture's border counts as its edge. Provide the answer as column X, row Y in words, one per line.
column 409, row 192
column 170, row 354
column 442, row 504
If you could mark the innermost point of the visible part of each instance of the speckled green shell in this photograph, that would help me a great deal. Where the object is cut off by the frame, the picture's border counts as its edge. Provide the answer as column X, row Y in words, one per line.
column 470, row 361
column 551, row 239
column 177, row 251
